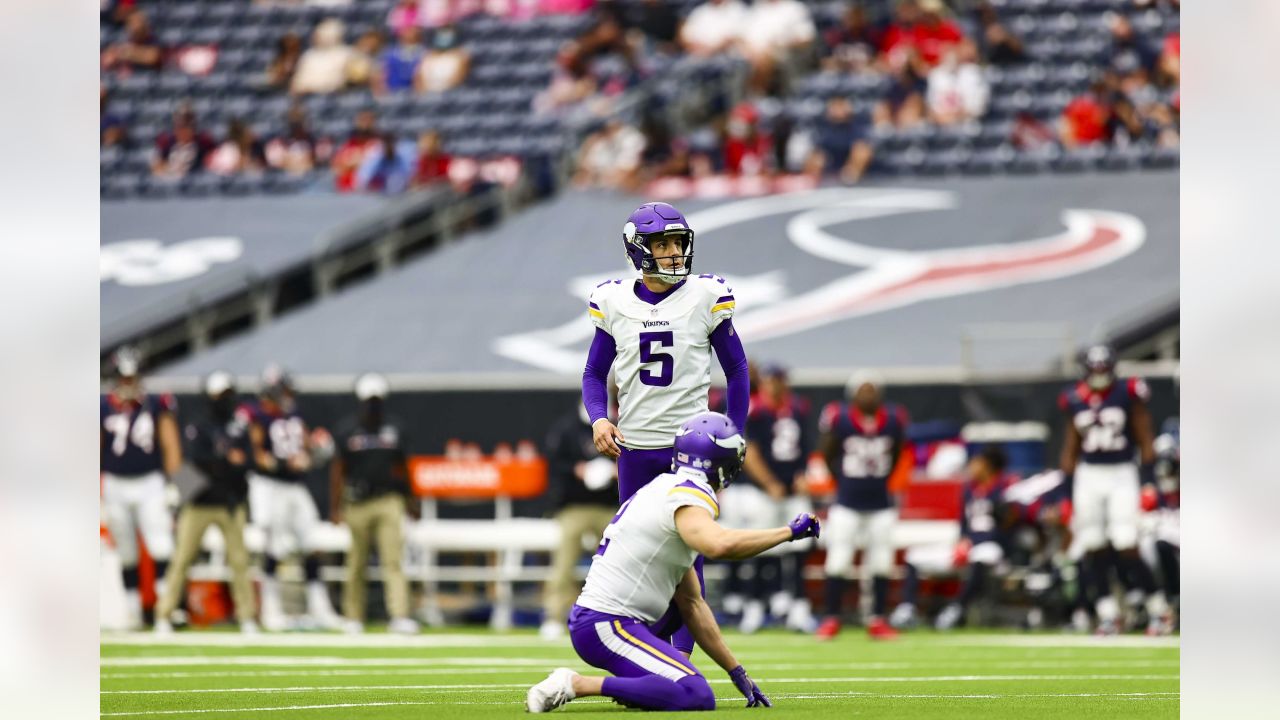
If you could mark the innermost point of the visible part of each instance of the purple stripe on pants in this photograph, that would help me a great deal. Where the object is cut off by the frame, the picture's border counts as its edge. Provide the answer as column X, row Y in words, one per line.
column 623, row 646
column 636, row 468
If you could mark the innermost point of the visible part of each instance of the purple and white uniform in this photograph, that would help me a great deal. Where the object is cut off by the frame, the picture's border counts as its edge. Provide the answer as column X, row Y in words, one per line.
column 628, row 592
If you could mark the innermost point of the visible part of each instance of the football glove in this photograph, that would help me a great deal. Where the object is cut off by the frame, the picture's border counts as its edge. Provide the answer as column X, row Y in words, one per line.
column 748, row 687
column 805, row 525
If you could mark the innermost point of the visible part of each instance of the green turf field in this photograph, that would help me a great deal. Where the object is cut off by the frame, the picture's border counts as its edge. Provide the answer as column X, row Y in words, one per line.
column 484, row 675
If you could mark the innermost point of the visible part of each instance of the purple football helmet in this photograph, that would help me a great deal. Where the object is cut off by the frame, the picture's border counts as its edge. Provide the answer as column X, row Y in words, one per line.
column 653, row 220
column 710, row 443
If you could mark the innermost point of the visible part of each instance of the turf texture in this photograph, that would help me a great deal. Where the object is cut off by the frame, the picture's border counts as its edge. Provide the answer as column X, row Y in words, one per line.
column 475, row 674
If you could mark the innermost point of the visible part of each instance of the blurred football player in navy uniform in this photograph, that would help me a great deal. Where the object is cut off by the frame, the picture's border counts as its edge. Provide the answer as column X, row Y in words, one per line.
column 280, row 502
column 369, row 486
column 1107, row 424
column 140, row 450
column 982, row 525
column 861, row 442
column 1166, row 531
column 778, row 447
column 218, row 449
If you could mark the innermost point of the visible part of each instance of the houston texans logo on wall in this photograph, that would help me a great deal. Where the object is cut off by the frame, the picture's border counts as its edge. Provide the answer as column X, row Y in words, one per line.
column 880, row 279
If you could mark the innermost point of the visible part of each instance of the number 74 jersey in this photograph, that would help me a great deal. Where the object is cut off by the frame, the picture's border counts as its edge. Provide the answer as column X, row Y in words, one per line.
column 663, row 361
column 1103, row 419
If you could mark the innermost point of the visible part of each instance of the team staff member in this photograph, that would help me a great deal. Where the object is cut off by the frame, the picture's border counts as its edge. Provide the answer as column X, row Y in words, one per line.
column 218, row 449
column 370, row 481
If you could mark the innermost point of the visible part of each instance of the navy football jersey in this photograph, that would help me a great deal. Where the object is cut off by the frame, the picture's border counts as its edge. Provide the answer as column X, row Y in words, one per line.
column 284, row 435
column 1103, row 419
column 130, row 442
column 980, row 521
column 868, row 451
column 781, row 435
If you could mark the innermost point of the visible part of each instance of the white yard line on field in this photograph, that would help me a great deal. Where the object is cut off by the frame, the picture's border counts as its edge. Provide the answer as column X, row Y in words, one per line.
column 508, row 686
column 466, row 662
column 731, row 699
column 1115, row 642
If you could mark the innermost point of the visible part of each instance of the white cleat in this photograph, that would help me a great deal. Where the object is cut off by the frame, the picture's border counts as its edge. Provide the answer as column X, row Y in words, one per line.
column 163, row 627
column 249, row 627
column 551, row 693
column 355, row 627
column 800, row 617
column 903, row 616
column 403, row 626
column 949, row 617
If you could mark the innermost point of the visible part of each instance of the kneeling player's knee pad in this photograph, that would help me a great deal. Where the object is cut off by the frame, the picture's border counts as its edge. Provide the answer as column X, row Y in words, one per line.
column 697, row 693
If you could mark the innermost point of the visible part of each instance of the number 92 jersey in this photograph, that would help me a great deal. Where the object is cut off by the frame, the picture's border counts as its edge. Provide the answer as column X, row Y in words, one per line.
column 284, row 435
column 1102, row 419
column 663, row 361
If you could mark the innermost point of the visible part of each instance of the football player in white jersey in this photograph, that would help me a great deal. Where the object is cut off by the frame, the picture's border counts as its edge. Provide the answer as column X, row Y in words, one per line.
column 657, row 333
column 644, row 560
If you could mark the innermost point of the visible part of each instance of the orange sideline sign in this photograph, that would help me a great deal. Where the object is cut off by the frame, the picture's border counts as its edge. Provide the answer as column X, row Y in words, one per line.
column 440, row 477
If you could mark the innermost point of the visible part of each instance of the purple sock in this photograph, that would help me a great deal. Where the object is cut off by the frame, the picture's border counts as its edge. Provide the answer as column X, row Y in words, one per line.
column 653, row 692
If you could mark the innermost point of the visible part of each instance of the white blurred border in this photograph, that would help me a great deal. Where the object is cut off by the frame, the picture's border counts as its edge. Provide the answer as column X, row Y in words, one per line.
column 1231, row 360
column 49, row 327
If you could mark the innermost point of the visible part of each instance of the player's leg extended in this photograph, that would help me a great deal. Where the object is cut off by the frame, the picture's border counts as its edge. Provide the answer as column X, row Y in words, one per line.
column 390, row 551
column 231, row 523
column 1088, row 528
column 1123, row 508
column 156, row 524
column 649, row 673
column 879, row 562
column 841, row 533
column 124, row 535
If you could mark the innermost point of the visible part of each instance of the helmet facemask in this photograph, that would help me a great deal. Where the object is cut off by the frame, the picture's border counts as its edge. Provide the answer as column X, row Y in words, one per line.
column 669, row 268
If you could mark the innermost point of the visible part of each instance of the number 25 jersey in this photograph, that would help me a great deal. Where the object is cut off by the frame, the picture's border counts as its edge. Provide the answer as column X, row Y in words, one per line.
column 1102, row 419
column 663, row 361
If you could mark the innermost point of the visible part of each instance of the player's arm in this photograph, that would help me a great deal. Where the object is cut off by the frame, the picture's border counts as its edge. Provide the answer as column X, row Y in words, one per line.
column 733, row 361
column 262, row 457
column 1140, row 416
column 758, row 470
column 829, row 447
column 700, row 532
column 701, row 621
column 595, row 393
column 170, row 444
column 1070, row 448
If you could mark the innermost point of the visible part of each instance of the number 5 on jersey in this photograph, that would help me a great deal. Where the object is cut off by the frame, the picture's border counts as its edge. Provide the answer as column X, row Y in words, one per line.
column 649, row 355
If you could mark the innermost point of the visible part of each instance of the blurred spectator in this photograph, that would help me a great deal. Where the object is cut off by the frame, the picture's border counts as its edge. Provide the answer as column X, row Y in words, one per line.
column 713, row 27
column 841, row 144
column 116, row 12
column 181, row 150
column 920, row 28
column 349, row 156
column 747, row 150
column 572, row 83
column 1128, row 51
column 1031, row 134
column 433, row 162
column 139, row 51
column 240, row 152
column 297, row 151
column 999, row 45
column 657, row 22
column 564, row 7
column 604, row 45
column 386, row 167
column 957, row 90
column 903, row 106
column 1169, row 65
column 1086, row 118
column 363, row 66
column 112, row 131
column 774, row 33
column 659, row 155
column 406, row 14
column 851, row 45
column 398, row 63
column 445, row 65
column 288, row 51
column 610, row 157
column 323, row 67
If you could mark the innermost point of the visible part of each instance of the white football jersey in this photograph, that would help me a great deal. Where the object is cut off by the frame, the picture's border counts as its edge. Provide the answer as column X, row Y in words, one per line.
column 663, row 365
column 642, row 557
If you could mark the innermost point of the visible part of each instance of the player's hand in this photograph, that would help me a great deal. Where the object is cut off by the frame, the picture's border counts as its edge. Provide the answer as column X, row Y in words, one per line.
column 748, row 688
column 236, row 456
column 300, row 463
column 960, row 556
column 805, row 525
column 607, row 436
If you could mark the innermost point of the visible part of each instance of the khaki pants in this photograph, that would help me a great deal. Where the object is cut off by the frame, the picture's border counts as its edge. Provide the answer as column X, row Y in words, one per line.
column 574, row 521
column 379, row 519
column 192, row 523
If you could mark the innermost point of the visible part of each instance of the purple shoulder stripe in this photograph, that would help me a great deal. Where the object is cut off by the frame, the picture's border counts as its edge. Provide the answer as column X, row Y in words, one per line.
column 593, row 305
column 724, row 298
